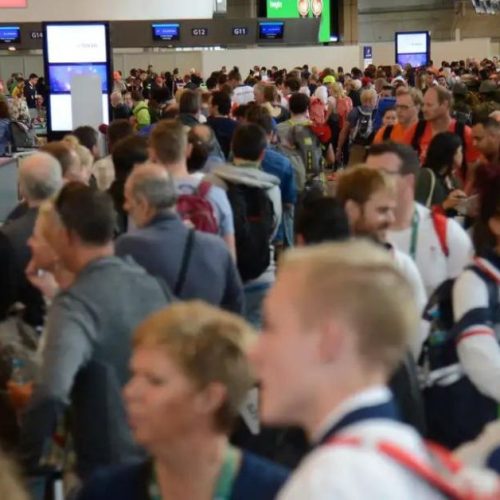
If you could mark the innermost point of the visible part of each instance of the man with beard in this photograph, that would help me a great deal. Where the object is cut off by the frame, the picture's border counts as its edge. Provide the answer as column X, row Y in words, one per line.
column 369, row 199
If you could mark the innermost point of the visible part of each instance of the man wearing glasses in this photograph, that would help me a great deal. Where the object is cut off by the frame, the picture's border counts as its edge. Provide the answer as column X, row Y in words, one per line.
column 408, row 104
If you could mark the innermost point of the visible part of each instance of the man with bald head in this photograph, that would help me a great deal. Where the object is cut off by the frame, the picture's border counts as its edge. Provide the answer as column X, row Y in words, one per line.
column 40, row 178
column 67, row 157
column 193, row 264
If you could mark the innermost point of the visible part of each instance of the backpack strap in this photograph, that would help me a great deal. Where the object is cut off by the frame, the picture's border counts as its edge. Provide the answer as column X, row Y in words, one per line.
column 413, row 464
column 419, row 132
column 440, row 223
column 203, row 189
column 460, row 131
column 387, row 132
column 186, row 257
column 428, row 202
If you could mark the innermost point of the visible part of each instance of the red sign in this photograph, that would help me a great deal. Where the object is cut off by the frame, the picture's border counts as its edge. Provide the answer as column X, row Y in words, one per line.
column 9, row 4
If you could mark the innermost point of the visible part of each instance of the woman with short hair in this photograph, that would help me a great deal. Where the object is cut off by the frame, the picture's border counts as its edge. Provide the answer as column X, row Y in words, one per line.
column 190, row 377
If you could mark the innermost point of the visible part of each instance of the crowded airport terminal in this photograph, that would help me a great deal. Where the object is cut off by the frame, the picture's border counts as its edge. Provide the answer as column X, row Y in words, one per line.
column 250, row 250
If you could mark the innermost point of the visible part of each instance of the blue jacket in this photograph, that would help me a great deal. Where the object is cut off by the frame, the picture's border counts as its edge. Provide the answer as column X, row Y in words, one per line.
column 211, row 274
column 258, row 479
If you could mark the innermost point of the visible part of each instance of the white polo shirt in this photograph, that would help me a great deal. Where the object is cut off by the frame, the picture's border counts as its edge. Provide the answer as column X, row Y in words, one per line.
column 345, row 472
column 434, row 266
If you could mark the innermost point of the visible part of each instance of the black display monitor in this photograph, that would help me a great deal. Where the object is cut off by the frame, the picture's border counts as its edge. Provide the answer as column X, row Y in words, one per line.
column 10, row 34
column 166, row 32
column 271, row 30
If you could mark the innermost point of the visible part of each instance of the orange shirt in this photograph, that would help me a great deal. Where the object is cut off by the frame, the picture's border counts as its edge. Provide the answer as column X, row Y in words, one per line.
column 397, row 134
column 471, row 153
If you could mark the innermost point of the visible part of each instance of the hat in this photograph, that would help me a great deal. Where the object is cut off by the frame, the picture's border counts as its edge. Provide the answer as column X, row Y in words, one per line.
column 487, row 87
column 329, row 79
column 459, row 89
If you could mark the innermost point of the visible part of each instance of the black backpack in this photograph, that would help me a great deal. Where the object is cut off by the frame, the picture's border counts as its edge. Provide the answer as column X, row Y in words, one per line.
column 364, row 130
column 253, row 215
column 456, row 411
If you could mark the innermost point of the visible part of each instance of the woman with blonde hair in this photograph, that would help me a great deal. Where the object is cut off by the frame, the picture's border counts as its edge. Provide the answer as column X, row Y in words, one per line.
column 190, row 377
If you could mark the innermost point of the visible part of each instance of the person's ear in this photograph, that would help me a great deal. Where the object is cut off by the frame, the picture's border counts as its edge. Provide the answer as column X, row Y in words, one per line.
column 211, row 398
column 152, row 155
column 331, row 341
column 353, row 211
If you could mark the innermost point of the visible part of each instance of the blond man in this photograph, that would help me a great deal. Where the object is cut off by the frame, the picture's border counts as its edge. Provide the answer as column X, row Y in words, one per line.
column 334, row 331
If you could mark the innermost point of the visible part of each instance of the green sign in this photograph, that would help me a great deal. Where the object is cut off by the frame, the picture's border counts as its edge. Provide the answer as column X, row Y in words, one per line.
column 303, row 8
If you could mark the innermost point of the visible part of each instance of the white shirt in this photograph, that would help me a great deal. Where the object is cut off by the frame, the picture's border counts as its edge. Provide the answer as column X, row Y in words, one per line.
column 432, row 263
column 243, row 94
column 410, row 271
column 478, row 348
column 305, row 90
column 351, row 472
column 104, row 172
column 321, row 93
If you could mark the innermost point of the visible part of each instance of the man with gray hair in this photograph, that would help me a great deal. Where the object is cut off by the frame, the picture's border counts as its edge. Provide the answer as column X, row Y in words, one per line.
column 40, row 178
column 193, row 264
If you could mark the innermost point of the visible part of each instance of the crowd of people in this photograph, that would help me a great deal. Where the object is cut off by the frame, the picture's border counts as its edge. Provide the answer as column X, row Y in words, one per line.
column 275, row 286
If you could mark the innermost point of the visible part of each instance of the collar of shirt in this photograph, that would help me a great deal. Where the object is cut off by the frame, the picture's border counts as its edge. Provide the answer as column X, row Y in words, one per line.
column 245, row 163
column 369, row 397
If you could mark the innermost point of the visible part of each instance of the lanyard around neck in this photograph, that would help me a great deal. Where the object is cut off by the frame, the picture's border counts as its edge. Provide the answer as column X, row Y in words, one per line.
column 414, row 235
column 225, row 480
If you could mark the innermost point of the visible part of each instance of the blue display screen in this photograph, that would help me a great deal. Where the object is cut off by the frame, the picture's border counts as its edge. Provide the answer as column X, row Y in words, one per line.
column 10, row 34
column 271, row 31
column 166, row 32
column 60, row 76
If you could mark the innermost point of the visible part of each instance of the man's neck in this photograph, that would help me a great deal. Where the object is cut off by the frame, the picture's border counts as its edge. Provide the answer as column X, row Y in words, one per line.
column 240, row 162
column 85, row 255
column 441, row 124
column 177, row 170
column 410, row 123
column 177, row 465
column 327, row 400
column 299, row 118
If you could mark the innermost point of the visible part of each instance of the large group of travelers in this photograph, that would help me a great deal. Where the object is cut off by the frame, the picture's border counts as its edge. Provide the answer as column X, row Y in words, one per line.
column 284, row 285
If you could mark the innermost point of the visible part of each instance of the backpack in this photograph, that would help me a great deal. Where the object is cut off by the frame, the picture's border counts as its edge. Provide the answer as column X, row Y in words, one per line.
column 445, row 474
column 364, row 130
column 318, row 116
column 449, row 395
column 299, row 169
column 197, row 211
column 253, row 215
column 308, row 145
column 22, row 136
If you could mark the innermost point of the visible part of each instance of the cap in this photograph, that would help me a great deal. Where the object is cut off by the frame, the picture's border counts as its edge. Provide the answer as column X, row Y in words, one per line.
column 329, row 79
